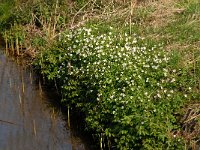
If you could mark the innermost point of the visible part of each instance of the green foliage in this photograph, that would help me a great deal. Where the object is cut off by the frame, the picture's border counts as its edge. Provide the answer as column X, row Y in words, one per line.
column 125, row 85
column 6, row 16
column 81, row 3
column 15, row 32
column 142, row 14
column 129, row 88
column 38, row 42
column 31, row 24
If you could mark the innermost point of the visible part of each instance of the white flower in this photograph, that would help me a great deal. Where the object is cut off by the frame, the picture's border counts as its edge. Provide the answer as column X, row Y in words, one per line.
column 173, row 80
column 168, row 95
column 174, row 70
column 174, row 135
column 159, row 96
column 134, row 41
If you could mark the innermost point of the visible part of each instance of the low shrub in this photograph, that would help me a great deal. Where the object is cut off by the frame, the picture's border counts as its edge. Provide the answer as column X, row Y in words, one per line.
column 127, row 86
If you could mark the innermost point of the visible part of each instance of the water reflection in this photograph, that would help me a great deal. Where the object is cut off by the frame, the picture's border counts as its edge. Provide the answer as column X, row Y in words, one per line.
column 26, row 123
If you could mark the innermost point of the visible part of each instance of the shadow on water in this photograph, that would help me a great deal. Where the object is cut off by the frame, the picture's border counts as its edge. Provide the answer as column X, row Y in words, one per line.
column 29, row 117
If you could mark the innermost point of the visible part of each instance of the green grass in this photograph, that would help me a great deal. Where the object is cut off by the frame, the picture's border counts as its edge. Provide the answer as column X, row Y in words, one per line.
column 5, row 14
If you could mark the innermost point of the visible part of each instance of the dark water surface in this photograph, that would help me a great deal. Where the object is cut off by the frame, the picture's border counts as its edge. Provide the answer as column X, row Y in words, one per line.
column 26, row 120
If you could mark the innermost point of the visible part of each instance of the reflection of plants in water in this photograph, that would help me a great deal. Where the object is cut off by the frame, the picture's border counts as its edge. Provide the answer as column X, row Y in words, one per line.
column 7, row 122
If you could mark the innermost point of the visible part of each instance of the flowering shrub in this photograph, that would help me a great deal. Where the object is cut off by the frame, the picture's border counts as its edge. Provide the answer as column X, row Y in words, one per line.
column 125, row 85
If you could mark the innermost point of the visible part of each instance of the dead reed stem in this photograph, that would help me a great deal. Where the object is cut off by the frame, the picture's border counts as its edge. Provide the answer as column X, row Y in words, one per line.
column 6, row 41
column 12, row 46
column 34, row 128
column 17, row 45
column 68, row 116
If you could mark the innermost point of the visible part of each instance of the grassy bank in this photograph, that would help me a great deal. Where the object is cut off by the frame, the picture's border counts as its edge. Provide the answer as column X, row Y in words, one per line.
column 131, row 67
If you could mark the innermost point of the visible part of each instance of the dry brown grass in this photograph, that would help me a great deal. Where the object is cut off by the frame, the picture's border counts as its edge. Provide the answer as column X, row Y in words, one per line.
column 191, row 125
column 164, row 11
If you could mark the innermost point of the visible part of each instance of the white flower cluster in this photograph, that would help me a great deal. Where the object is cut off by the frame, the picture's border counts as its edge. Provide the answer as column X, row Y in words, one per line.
column 119, row 63
column 119, row 80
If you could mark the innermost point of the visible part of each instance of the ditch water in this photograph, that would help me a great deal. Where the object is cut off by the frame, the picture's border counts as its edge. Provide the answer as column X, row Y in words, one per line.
column 28, row 121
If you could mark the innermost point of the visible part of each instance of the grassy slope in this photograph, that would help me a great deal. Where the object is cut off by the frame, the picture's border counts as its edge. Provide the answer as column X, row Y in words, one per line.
column 176, row 24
